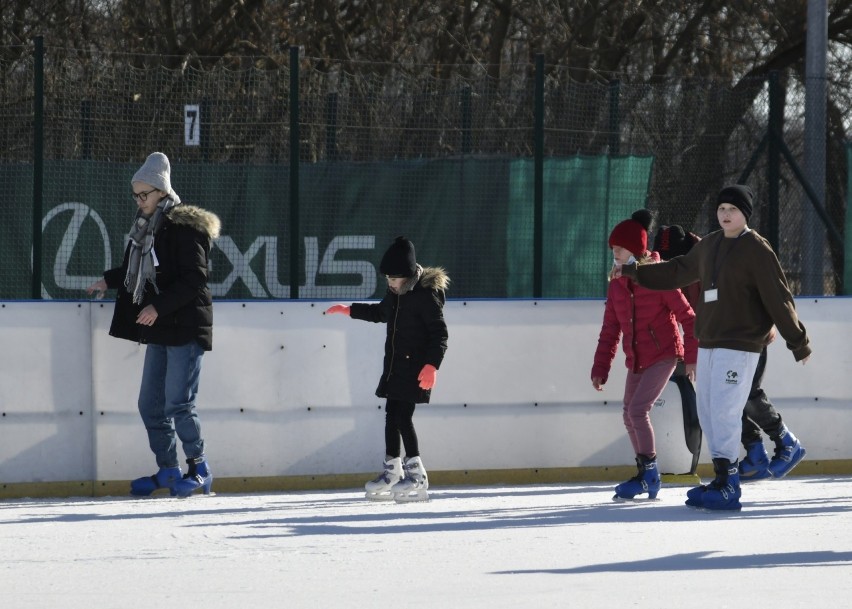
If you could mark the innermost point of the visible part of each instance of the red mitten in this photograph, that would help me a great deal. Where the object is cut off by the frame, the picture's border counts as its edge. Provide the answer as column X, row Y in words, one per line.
column 427, row 376
column 342, row 309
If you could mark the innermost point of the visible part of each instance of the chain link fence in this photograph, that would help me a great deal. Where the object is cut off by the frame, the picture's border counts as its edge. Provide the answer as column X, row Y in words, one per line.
column 315, row 166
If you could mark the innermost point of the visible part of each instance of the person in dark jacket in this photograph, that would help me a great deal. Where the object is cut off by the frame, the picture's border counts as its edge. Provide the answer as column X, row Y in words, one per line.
column 669, row 242
column 416, row 342
column 163, row 301
column 759, row 413
column 744, row 293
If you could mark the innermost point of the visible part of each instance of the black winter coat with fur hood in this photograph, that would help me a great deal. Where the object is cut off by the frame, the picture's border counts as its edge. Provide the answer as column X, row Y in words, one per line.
column 416, row 334
column 184, row 304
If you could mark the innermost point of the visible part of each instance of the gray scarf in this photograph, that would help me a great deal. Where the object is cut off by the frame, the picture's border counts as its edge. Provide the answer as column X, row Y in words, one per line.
column 140, row 264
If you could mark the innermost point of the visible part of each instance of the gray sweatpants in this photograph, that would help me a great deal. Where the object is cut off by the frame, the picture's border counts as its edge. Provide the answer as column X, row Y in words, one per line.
column 722, row 386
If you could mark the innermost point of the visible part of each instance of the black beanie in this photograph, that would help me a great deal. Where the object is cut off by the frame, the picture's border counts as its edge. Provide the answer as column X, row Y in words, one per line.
column 671, row 241
column 399, row 260
column 739, row 195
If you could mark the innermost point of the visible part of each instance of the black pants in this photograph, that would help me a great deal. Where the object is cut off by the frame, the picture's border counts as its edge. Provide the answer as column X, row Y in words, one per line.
column 759, row 413
column 399, row 422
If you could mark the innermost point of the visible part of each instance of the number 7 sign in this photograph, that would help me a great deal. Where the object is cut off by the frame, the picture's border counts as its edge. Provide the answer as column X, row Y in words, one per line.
column 192, row 125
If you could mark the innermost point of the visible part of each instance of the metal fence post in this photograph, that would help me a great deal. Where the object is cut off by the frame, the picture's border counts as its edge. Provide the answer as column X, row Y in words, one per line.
column 204, row 127
column 87, row 134
column 538, row 179
column 773, row 166
column 38, row 163
column 466, row 121
column 331, row 126
column 614, row 117
column 295, row 147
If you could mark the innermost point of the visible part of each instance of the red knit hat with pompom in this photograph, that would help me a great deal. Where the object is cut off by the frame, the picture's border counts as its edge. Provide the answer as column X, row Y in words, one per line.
column 632, row 234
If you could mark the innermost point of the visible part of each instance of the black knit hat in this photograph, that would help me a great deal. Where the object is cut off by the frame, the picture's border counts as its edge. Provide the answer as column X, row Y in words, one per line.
column 399, row 259
column 671, row 241
column 739, row 195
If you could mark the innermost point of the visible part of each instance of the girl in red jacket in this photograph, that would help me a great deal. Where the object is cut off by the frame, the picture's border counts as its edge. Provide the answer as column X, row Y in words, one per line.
column 646, row 322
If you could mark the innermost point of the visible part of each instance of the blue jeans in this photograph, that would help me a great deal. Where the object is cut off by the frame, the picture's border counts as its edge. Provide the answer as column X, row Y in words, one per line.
column 167, row 401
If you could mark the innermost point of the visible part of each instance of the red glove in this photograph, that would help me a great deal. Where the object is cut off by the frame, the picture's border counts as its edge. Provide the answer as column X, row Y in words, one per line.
column 342, row 309
column 427, row 376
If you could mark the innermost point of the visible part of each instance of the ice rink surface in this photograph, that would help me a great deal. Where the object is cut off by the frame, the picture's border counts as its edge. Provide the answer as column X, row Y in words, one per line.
column 566, row 545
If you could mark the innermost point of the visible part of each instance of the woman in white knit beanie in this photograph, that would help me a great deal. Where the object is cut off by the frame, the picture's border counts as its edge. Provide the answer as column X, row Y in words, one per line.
column 163, row 301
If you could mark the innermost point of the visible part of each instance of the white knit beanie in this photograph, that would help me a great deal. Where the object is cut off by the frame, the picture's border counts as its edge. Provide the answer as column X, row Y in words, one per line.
column 157, row 172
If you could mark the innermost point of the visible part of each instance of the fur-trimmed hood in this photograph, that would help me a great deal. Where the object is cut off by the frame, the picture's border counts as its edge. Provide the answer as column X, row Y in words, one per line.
column 434, row 278
column 195, row 217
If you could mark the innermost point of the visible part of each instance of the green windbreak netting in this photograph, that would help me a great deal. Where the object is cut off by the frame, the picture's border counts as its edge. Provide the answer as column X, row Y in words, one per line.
column 471, row 216
column 584, row 197
column 445, row 157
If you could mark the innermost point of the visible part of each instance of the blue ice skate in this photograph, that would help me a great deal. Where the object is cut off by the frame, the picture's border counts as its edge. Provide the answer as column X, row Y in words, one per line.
column 788, row 452
column 166, row 477
column 724, row 492
column 755, row 465
column 199, row 476
column 694, row 496
column 647, row 480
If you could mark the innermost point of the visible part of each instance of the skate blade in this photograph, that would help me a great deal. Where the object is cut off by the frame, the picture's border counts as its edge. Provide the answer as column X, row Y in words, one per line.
column 757, row 478
column 155, row 496
column 379, row 497
column 160, row 491
column 707, row 510
column 411, row 497
column 618, row 499
column 196, row 494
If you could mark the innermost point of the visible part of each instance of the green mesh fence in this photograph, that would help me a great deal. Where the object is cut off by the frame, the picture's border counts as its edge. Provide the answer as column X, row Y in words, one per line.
column 382, row 150
column 586, row 197
column 487, row 240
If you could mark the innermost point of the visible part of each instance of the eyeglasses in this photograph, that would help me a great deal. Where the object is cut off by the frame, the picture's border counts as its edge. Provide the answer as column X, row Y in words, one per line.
column 142, row 196
column 394, row 277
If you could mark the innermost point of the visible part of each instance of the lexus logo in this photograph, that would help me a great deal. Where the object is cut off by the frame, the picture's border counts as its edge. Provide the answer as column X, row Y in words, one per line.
column 79, row 214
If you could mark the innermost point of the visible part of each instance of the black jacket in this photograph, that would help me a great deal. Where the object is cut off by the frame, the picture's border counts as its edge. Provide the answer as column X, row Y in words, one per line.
column 184, row 304
column 416, row 334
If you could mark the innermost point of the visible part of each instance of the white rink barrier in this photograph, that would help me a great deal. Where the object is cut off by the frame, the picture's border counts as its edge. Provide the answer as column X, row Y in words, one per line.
column 289, row 392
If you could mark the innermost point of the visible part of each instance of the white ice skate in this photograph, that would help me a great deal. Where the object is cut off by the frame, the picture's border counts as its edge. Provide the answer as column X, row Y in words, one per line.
column 379, row 489
column 414, row 484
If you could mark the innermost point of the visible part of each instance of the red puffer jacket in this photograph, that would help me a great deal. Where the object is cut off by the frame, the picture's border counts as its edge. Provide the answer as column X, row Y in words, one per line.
column 647, row 322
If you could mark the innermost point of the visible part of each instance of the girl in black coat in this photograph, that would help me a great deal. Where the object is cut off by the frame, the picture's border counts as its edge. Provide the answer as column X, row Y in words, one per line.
column 414, row 349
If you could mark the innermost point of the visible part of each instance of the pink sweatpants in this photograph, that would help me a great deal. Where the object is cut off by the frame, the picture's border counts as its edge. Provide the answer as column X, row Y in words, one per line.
column 641, row 390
